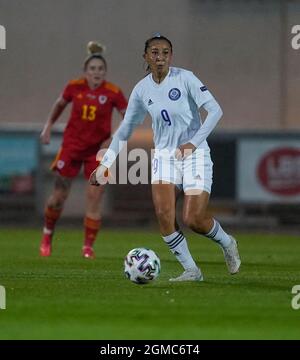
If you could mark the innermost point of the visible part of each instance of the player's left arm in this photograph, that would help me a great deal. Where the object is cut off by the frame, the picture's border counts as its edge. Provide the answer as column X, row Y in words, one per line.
column 214, row 114
column 203, row 98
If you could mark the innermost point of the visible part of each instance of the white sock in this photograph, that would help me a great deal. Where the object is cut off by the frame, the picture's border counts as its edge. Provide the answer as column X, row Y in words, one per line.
column 178, row 246
column 47, row 231
column 218, row 235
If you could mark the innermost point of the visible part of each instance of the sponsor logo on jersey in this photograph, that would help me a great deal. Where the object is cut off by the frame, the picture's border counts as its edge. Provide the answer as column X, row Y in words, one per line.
column 102, row 99
column 91, row 96
column 174, row 94
column 203, row 88
column 150, row 102
column 279, row 171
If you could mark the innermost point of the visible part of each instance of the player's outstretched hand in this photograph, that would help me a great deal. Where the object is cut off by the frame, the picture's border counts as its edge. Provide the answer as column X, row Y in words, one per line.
column 45, row 135
column 99, row 176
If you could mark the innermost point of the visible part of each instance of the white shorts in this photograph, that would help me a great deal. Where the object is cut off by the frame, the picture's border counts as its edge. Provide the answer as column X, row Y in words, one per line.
column 195, row 172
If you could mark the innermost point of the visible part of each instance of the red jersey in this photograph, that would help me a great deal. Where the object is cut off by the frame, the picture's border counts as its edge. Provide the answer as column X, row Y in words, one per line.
column 91, row 116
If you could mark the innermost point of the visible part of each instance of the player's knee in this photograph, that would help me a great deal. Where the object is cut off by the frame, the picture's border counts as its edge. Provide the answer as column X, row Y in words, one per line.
column 62, row 185
column 62, row 198
column 61, row 191
column 58, row 199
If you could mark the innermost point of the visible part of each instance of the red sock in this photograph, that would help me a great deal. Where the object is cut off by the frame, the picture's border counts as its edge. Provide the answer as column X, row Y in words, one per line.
column 51, row 217
column 91, row 228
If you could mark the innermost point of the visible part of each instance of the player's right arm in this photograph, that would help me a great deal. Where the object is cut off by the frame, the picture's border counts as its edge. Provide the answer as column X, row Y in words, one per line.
column 57, row 108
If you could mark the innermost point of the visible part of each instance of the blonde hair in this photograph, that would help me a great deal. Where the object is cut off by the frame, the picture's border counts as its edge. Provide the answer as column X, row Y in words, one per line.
column 95, row 51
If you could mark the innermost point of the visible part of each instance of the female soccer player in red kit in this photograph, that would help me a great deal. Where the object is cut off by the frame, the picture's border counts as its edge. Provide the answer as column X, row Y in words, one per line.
column 88, row 129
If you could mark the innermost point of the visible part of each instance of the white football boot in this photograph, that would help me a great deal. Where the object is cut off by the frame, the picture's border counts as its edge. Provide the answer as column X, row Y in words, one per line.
column 189, row 275
column 232, row 257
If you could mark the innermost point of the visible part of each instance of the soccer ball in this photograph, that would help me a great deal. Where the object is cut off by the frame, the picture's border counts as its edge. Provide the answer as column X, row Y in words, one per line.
column 141, row 265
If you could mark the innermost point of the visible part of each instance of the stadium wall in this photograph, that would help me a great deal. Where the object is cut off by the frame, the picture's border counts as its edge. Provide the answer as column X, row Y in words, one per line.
column 240, row 49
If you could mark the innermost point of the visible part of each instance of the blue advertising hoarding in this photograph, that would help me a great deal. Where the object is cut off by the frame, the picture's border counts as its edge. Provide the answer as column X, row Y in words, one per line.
column 18, row 163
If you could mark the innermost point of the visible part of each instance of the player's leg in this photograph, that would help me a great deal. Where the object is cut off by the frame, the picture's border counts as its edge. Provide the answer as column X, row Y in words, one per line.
column 196, row 218
column 53, row 210
column 166, row 172
column 164, row 199
column 66, row 168
column 197, row 183
column 92, row 220
column 178, row 192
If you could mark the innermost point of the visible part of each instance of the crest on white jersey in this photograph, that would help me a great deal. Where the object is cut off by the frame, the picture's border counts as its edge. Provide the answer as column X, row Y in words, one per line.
column 102, row 99
column 174, row 94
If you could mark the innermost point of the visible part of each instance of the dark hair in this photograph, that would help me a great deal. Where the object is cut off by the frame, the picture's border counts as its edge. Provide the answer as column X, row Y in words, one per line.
column 157, row 37
column 94, row 50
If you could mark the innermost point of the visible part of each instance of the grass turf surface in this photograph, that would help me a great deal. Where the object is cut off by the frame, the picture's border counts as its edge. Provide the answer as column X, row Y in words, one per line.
column 68, row 297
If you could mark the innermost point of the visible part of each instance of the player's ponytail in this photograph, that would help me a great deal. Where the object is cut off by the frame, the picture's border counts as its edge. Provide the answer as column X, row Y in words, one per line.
column 95, row 51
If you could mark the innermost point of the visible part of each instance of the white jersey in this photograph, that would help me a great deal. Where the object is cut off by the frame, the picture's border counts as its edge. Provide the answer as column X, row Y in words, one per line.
column 173, row 106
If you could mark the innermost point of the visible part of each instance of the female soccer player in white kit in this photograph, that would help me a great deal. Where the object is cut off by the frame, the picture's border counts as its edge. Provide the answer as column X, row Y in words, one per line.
column 173, row 96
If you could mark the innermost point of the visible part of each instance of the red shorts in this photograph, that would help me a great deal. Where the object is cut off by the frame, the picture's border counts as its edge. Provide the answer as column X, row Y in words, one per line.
column 68, row 163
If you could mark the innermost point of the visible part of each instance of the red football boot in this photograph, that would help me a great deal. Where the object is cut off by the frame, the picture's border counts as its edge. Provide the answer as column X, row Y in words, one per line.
column 88, row 252
column 45, row 247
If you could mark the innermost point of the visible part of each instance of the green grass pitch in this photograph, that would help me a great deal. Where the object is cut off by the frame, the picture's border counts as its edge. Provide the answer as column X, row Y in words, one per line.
column 68, row 297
